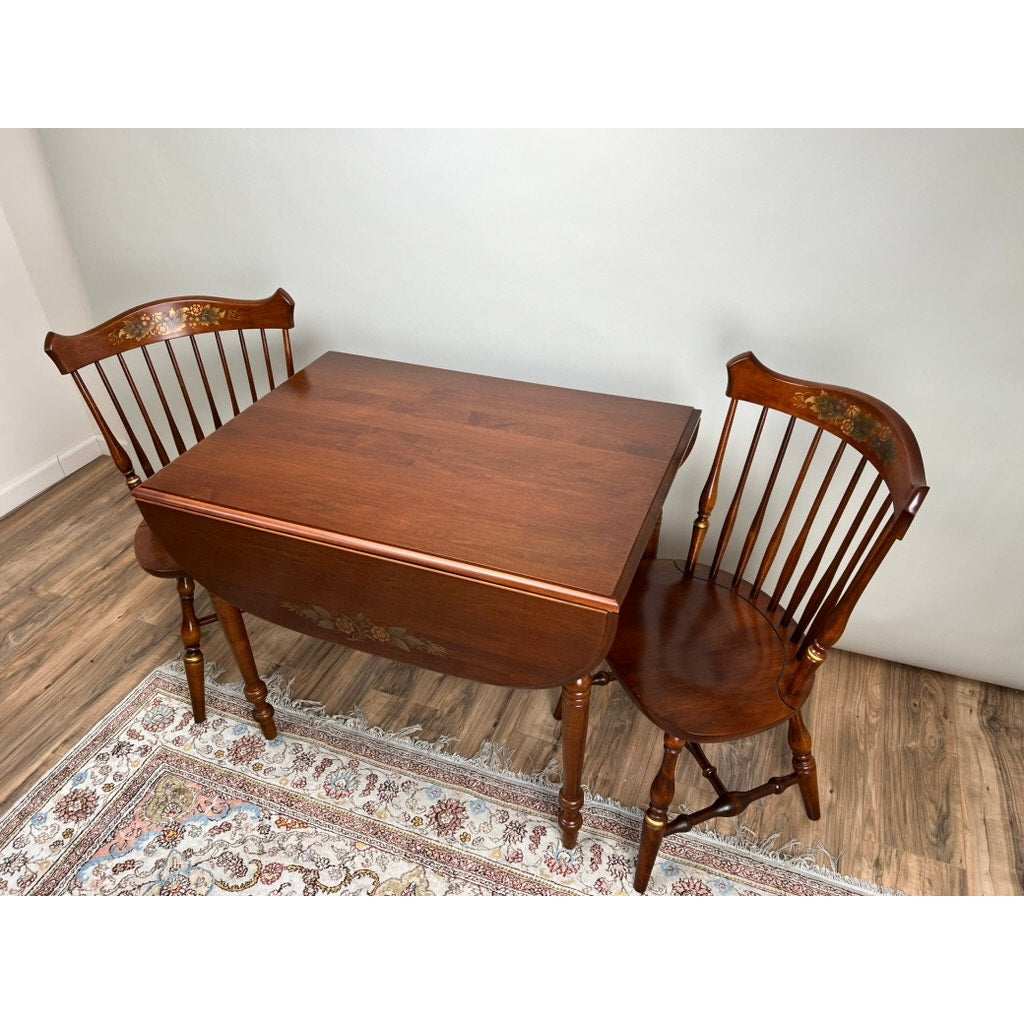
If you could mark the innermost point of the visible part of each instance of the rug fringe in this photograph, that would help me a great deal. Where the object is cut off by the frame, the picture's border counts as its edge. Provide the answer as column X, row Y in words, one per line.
column 491, row 756
column 812, row 859
column 797, row 856
column 496, row 760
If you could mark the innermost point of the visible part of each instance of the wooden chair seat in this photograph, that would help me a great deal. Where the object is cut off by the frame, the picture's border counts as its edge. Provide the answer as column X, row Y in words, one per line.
column 701, row 661
column 152, row 556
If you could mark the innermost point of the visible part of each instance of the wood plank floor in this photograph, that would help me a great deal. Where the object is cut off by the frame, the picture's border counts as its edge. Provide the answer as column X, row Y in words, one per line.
column 922, row 774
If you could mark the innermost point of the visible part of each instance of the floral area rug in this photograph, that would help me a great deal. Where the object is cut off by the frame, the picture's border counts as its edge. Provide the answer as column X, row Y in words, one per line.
column 150, row 803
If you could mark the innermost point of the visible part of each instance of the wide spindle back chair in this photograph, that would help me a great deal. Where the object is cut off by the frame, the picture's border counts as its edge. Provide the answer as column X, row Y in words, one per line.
column 827, row 480
column 157, row 379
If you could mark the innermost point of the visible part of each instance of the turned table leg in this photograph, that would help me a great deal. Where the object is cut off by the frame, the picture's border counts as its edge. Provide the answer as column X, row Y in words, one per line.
column 191, row 635
column 575, row 706
column 255, row 689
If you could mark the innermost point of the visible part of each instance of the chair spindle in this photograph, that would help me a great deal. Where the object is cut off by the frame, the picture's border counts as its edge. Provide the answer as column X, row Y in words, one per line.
column 172, row 425
column 710, row 493
column 197, row 430
column 838, row 590
column 266, row 357
column 817, row 595
column 140, row 452
column 734, row 505
column 286, row 338
column 814, row 561
column 117, row 452
column 756, row 523
column 227, row 375
column 789, row 567
column 206, row 383
column 248, row 365
column 154, row 436
column 780, row 528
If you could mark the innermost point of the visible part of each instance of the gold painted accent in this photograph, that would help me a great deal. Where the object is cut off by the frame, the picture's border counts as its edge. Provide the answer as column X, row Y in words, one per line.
column 654, row 824
column 359, row 629
column 851, row 421
column 199, row 316
column 815, row 655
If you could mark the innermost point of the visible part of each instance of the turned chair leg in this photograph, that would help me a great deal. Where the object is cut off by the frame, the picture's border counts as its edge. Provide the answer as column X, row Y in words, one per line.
column 804, row 766
column 662, row 791
column 191, row 636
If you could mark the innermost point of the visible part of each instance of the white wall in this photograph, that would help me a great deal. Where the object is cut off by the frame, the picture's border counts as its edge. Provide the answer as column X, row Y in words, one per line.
column 634, row 262
column 45, row 430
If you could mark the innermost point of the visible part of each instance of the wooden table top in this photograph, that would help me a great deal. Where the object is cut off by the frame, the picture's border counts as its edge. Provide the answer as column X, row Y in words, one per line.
column 539, row 488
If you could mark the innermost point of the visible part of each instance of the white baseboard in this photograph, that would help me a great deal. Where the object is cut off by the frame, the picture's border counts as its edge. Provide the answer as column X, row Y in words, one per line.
column 25, row 487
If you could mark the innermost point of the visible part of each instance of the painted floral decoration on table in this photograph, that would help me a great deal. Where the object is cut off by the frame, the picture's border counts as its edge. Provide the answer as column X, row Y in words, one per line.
column 851, row 421
column 199, row 316
column 359, row 629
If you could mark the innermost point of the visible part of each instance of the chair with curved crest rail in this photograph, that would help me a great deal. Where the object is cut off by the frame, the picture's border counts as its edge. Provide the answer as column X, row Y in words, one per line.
column 167, row 378
column 712, row 654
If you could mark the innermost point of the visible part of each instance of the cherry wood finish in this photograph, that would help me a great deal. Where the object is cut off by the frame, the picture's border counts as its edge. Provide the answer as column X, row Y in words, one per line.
column 713, row 654
column 480, row 527
column 160, row 399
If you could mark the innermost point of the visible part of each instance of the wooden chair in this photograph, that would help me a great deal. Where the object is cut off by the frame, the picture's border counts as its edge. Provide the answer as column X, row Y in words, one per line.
column 161, row 398
column 712, row 654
